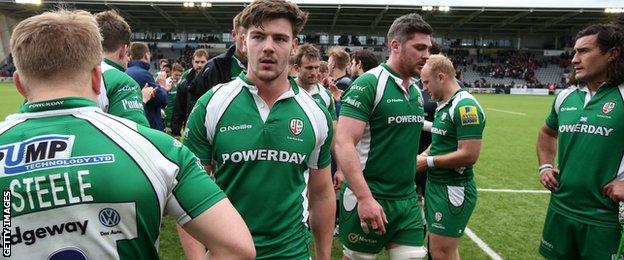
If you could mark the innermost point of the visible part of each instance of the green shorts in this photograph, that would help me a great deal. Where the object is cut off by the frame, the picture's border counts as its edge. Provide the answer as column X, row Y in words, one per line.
column 405, row 224
column 448, row 208
column 565, row 238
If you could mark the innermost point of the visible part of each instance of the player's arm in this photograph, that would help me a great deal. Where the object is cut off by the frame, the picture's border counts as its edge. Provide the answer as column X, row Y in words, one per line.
column 357, row 106
column 322, row 210
column 547, row 149
column 125, row 100
column 223, row 232
column 196, row 140
column 348, row 133
column 466, row 154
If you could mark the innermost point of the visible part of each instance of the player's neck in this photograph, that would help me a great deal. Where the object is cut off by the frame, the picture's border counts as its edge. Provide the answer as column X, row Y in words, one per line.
column 48, row 93
column 594, row 85
column 395, row 65
column 337, row 73
column 270, row 91
column 450, row 91
column 111, row 57
column 307, row 88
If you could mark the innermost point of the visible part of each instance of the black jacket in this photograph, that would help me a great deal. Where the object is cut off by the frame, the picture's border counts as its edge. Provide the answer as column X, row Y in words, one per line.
column 182, row 106
column 216, row 71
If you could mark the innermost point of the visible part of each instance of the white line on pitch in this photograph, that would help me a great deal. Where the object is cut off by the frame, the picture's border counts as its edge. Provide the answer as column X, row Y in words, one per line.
column 508, row 112
column 493, row 255
column 514, row 191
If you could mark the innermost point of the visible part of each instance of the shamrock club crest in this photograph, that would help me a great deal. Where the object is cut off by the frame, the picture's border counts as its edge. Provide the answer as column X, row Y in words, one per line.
column 608, row 107
column 296, row 126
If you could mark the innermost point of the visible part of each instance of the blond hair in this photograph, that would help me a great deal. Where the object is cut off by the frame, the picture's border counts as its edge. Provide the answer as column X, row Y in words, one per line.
column 439, row 63
column 59, row 44
column 340, row 56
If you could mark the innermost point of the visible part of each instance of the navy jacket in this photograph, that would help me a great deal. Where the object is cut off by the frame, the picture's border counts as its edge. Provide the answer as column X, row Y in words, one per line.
column 139, row 71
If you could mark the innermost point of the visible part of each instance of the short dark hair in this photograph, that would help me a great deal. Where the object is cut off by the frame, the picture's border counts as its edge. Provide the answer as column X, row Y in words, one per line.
column 405, row 26
column 307, row 50
column 260, row 11
column 609, row 37
column 367, row 58
column 114, row 29
column 435, row 48
column 138, row 50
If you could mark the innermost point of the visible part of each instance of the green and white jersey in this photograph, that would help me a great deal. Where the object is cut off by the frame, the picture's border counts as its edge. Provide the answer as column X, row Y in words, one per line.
column 89, row 185
column 325, row 98
column 590, row 152
column 394, row 119
column 460, row 118
column 262, row 156
column 120, row 95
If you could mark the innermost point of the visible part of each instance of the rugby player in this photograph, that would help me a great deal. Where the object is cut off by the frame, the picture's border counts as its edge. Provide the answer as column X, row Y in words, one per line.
column 87, row 185
column 270, row 140
column 120, row 94
column 450, row 192
column 585, row 128
column 376, row 146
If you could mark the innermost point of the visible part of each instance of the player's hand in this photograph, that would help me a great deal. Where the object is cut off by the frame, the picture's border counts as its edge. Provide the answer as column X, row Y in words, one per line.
column 335, row 91
column 421, row 163
column 549, row 179
column 614, row 190
column 338, row 179
column 147, row 92
column 161, row 79
column 372, row 216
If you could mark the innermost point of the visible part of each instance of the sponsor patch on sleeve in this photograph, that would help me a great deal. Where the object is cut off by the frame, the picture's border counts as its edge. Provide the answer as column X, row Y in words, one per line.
column 468, row 115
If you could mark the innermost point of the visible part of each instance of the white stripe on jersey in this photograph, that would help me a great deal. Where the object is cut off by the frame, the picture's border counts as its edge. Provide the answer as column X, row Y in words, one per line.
column 160, row 171
column 319, row 124
column 223, row 95
column 6, row 125
column 102, row 98
column 461, row 96
column 561, row 97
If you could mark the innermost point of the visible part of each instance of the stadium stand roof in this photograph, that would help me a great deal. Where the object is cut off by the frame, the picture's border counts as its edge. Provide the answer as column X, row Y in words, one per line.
column 511, row 17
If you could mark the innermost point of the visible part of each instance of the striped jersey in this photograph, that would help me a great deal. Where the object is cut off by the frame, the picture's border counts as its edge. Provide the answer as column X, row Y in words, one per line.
column 325, row 98
column 262, row 158
column 590, row 152
column 460, row 118
column 394, row 119
column 89, row 185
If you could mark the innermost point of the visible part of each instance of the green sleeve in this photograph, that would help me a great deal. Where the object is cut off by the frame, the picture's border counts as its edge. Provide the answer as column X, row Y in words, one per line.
column 358, row 101
column 469, row 119
column 192, row 191
column 195, row 135
column 552, row 121
column 331, row 106
column 124, row 97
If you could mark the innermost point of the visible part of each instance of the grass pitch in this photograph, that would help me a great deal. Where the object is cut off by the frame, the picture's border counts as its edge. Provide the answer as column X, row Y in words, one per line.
column 509, row 223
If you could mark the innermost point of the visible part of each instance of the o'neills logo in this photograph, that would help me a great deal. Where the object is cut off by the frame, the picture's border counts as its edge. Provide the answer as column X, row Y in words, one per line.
column 608, row 107
column 296, row 126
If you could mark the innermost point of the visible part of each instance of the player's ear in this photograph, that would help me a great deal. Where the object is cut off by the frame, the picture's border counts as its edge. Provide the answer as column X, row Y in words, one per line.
column 614, row 54
column 122, row 52
column 21, row 88
column 96, row 79
column 394, row 45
